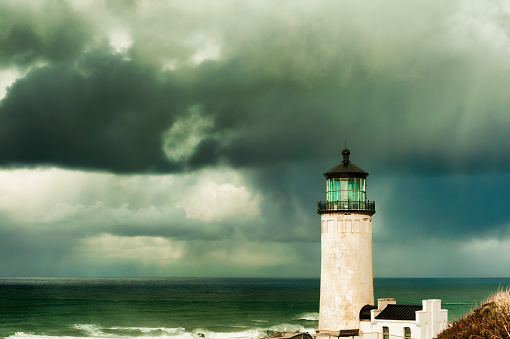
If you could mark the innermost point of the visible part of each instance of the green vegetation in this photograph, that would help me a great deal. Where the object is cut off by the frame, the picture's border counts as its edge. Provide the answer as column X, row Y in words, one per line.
column 490, row 320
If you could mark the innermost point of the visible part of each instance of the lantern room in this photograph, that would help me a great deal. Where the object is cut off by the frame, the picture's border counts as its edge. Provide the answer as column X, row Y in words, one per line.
column 346, row 188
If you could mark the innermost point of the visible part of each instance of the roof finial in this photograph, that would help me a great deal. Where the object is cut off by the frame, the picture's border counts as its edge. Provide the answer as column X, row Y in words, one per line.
column 346, row 154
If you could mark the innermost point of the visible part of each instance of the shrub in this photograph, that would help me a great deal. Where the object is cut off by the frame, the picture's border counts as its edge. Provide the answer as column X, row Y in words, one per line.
column 490, row 320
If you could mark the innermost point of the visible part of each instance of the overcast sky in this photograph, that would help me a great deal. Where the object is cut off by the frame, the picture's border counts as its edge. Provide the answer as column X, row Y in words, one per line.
column 189, row 138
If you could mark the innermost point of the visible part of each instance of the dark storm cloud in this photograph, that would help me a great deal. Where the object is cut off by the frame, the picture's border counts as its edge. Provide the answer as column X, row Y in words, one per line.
column 108, row 115
column 399, row 124
column 295, row 92
column 419, row 91
column 458, row 208
column 28, row 36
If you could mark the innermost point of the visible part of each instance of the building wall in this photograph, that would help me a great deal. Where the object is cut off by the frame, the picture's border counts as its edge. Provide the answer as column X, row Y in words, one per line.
column 396, row 329
column 432, row 318
column 429, row 322
column 346, row 270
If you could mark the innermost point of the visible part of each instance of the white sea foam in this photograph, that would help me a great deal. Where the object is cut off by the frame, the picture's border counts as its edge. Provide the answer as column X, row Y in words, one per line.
column 291, row 328
column 23, row 335
column 248, row 334
column 309, row 316
column 91, row 330
column 177, row 330
column 96, row 332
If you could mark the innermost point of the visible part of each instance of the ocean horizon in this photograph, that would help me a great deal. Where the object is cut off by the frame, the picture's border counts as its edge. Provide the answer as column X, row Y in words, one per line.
column 67, row 308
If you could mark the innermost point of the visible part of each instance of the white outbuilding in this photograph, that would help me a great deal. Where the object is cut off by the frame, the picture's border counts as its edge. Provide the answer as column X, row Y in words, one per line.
column 388, row 320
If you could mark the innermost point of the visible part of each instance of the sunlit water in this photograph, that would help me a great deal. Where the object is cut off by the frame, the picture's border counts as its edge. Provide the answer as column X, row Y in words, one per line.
column 57, row 308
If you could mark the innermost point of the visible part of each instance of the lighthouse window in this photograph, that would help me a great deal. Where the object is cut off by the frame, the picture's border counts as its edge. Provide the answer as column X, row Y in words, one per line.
column 407, row 332
column 349, row 191
column 386, row 332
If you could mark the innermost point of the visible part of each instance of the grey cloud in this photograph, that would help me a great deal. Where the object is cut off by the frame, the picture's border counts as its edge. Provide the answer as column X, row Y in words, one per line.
column 422, row 103
column 282, row 91
column 462, row 207
column 27, row 251
column 109, row 116
column 41, row 32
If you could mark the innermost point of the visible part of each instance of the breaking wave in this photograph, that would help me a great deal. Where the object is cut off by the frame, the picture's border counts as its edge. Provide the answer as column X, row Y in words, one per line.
column 88, row 331
column 309, row 316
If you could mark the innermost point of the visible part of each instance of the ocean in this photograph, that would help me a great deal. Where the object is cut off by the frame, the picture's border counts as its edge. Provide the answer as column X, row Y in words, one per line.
column 72, row 308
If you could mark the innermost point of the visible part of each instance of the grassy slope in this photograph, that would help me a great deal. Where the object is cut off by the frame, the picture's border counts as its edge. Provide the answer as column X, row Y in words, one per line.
column 490, row 320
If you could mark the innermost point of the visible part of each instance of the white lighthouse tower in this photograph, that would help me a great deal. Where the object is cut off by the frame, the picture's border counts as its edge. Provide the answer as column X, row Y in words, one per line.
column 347, row 290
column 346, row 250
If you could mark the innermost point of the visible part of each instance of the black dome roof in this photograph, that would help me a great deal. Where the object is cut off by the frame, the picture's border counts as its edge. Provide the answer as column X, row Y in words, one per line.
column 346, row 169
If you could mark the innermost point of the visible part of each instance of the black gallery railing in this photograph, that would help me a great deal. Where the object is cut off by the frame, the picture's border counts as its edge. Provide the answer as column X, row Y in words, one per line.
column 346, row 205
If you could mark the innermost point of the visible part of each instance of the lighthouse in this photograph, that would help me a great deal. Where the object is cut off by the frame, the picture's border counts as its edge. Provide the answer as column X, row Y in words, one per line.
column 346, row 250
column 347, row 289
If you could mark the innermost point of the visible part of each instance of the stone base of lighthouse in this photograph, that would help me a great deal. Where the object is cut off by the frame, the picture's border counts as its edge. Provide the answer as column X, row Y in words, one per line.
column 346, row 270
